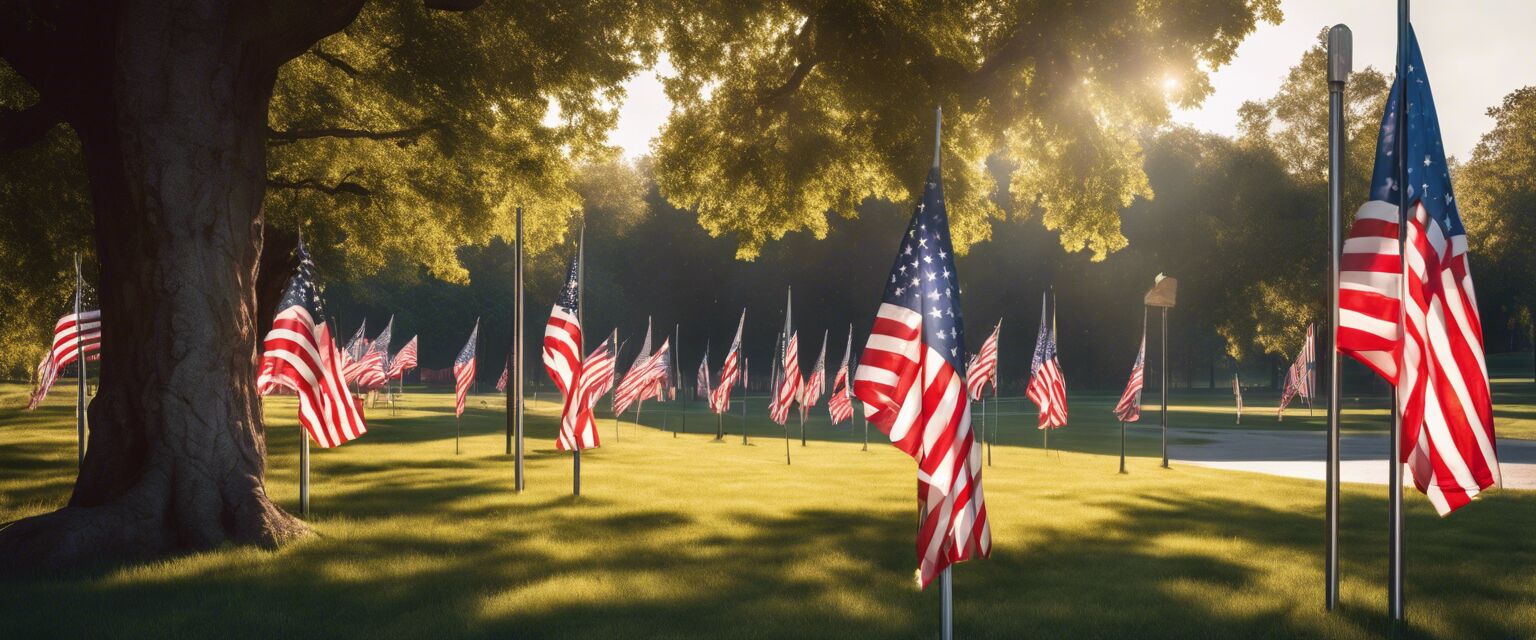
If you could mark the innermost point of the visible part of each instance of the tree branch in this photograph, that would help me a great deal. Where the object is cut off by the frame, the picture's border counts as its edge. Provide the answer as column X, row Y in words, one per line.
column 23, row 127
column 343, row 187
column 334, row 61
column 808, row 61
column 406, row 136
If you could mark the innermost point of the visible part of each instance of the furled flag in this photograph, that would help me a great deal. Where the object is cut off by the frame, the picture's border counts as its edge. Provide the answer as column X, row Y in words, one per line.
column 404, row 360
column 1299, row 378
column 352, row 354
column 983, row 368
column 788, row 384
column 595, row 380
column 1047, row 384
column 464, row 371
column 375, row 362
column 789, row 381
column 299, row 353
column 730, row 371
column 501, row 383
column 911, row 380
column 840, row 403
column 633, row 384
column 703, row 387
column 1432, row 348
column 1128, row 409
column 816, row 383
column 1237, row 392
column 73, row 334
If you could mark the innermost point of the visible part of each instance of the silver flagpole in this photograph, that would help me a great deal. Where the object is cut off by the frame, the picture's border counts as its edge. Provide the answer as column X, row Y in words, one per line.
column 80, row 365
column 1394, row 462
column 1339, row 51
column 303, row 473
column 947, row 604
column 745, row 365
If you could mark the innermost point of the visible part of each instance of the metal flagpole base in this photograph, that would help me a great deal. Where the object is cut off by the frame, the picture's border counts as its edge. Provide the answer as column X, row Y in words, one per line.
column 947, row 606
column 303, row 473
column 576, row 472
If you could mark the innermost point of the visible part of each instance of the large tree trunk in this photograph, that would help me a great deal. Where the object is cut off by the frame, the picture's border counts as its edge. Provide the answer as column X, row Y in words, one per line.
column 176, row 157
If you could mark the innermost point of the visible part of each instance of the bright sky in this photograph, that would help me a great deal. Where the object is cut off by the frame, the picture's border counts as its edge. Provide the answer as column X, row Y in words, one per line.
column 1477, row 51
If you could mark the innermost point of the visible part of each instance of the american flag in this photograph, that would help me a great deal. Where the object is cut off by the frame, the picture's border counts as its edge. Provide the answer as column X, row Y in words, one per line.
column 816, row 383
column 464, row 371
column 1128, row 409
column 789, row 381
column 730, row 371
column 1047, row 385
column 352, row 354
column 300, row 353
column 596, row 379
column 912, row 382
column 633, row 384
column 1299, row 378
column 983, row 368
column 1437, row 364
column 72, row 335
column 375, row 361
column 644, row 379
column 562, row 333
column 703, row 387
column 404, row 359
column 501, row 383
column 840, row 403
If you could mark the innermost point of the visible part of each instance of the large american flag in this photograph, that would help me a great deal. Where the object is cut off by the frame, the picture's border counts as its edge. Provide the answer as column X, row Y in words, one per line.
column 730, row 371
column 1437, row 363
column 789, row 381
column 1047, row 385
column 840, row 403
column 816, row 383
column 300, row 353
column 1128, row 409
column 911, row 380
column 1299, row 378
column 404, row 360
column 72, row 335
column 983, row 368
column 464, row 371
column 596, row 379
column 562, row 333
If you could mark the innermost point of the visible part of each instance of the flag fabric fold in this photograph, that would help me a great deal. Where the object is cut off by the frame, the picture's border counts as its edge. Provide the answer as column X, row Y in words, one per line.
column 1047, row 384
column 1128, row 409
column 911, row 380
column 464, row 371
column 730, row 371
column 1430, row 349
column 840, row 403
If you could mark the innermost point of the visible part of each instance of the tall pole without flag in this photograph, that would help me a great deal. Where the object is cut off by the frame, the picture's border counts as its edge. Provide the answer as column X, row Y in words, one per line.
column 1395, row 461
column 80, row 367
column 515, row 395
column 1339, row 45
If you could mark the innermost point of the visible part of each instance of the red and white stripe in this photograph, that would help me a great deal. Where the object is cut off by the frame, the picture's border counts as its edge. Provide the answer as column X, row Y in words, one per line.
column 72, row 336
column 1048, row 390
column 840, row 403
column 562, row 348
column 643, row 381
column 911, row 393
column 816, row 383
column 789, row 382
column 301, row 355
column 578, row 428
column 404, row 360
column 983, row 369
column 1442, row 383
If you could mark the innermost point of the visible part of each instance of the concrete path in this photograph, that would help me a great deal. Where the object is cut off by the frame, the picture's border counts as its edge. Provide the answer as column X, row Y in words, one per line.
column 1299, row 454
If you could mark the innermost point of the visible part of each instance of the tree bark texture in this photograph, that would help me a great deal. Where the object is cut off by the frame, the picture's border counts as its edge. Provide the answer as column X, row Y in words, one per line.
column 175, row 151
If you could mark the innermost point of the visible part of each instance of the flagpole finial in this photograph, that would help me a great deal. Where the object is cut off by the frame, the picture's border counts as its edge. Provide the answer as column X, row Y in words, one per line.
column 938, row 131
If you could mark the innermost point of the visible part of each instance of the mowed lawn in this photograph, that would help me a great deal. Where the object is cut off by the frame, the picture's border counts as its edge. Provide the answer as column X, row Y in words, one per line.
column 680, row 536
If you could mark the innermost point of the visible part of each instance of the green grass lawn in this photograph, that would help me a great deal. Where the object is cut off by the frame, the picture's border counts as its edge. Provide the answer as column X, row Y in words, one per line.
column 680, row 536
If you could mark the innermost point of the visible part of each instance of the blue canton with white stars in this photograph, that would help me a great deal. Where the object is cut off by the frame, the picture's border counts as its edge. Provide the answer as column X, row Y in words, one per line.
column 568, row 295
column 302, row 291
column 468, row 352
column 924, row 279
column 1045, row 343
column 1429, row 178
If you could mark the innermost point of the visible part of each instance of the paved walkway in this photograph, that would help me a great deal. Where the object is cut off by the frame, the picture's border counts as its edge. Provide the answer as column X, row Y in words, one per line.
column 1299, row 454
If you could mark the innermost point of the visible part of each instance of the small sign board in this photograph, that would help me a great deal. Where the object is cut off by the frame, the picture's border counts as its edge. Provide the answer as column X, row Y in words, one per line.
column 1164, row 293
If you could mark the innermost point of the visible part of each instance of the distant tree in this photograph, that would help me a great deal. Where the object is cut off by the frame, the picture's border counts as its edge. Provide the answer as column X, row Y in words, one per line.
column 785, row 111
column 1497, row 187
